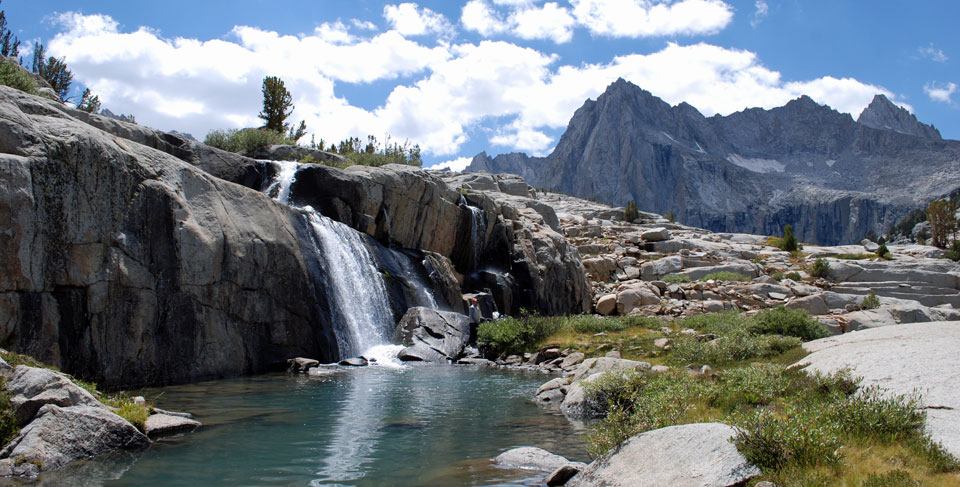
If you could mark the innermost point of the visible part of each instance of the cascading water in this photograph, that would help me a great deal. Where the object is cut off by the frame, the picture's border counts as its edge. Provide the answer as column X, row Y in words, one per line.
column 361, row 310
column 478, row 228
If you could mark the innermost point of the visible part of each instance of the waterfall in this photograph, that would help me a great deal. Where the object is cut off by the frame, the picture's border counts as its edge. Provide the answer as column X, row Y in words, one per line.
column 359, row 300
column 358, row 294
column 478, row 229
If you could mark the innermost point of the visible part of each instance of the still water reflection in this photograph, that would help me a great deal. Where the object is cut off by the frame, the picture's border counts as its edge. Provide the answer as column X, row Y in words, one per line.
column 371, row 426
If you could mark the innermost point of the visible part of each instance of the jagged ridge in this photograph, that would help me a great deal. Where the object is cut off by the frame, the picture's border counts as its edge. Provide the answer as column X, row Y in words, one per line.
column 833, row 178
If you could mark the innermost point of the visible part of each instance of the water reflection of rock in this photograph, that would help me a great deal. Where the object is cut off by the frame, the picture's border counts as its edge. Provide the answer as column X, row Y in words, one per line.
column 92, row 472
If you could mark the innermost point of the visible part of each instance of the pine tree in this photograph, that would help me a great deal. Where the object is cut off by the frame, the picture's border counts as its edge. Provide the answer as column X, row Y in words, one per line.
column 89, row 104
column 277, row 105
column 9, row 44
column 53, row 70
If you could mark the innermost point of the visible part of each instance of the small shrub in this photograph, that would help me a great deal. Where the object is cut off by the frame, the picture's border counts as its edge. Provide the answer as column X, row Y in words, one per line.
column 727, row 349
column 870, row 302
column 637, row 403
column 794, row 276
column 883, row 252
column 14, row 77
column 725, row 276
column 670, row 216
column 820, row 267
column 954, row 252
column 676, row 278
column 514, row 335
column 771, row 442
column 789, row 241
column 788, row 322
column 778, row 275
column 632, row 212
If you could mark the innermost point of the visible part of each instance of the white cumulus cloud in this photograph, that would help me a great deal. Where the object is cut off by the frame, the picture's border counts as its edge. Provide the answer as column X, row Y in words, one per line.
column 645, row 18
column 504, row 94
column 480, row 17
column 455, row 165
column 940, row 93
column 409, row 19
column 548, row 22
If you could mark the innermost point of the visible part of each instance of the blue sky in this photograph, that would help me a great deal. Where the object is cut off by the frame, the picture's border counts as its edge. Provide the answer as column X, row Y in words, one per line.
column 460, row 77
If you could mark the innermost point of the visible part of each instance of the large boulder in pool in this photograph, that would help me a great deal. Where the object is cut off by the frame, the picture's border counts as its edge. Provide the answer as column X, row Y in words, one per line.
column 432, row 336
column 690, row 455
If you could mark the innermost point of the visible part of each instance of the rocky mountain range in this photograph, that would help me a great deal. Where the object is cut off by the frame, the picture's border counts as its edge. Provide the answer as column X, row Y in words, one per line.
column 835, row 179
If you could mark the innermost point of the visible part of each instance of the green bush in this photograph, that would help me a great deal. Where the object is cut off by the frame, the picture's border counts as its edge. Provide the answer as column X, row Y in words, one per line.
column 795, row 276
column 954, row 252
column 15, row 77
column 820, row 267
column 799, row 437
column 670, row 216
column 725, row 276
column 245, row 140
column 789, row 241
column 727, row 349
column 870, row 302
column 883, row 252
column 514, row 335
column 788, row 322
column 637, row 402
column 676, row 278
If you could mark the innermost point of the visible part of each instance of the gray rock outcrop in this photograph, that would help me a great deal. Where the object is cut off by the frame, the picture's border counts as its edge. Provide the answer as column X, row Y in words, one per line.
column 692, row 455
column 834, row 179
column 519, row 256
column 883, row 114
column 125, row 265
column 31, row 388
column 59, row 436
column 902, row 360
column 432, row 336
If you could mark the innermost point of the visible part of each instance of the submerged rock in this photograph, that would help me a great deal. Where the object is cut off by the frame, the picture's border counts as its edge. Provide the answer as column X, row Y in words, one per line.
column 158, row 425
column 354, row 362
column 530, row 458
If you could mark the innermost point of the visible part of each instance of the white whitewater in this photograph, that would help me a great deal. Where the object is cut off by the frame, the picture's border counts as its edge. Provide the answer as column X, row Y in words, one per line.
column 363, row 319
column 478, row 227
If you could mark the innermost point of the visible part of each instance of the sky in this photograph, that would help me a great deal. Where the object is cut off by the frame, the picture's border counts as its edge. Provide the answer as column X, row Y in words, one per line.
column 459, row 77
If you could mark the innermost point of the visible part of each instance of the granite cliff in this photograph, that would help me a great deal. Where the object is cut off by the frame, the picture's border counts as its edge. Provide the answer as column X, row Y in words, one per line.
column 833, row 178
column 135, row 257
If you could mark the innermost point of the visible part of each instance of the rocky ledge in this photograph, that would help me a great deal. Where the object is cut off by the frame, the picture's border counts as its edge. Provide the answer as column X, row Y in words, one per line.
column 61, row 422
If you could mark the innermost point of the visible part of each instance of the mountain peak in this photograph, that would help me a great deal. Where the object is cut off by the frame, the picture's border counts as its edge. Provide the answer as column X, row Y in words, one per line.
column 885, row 115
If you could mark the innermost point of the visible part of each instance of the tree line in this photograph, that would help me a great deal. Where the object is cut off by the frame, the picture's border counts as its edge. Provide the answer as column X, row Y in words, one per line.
column 277, row 107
